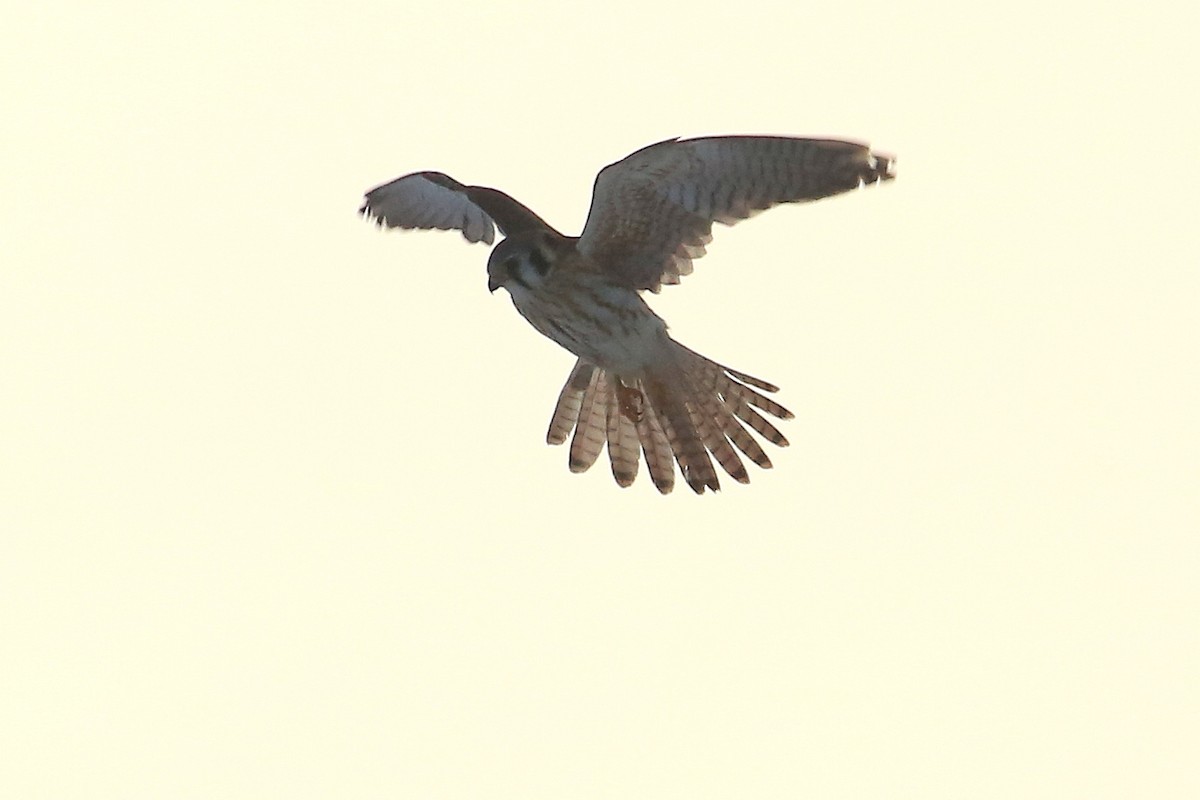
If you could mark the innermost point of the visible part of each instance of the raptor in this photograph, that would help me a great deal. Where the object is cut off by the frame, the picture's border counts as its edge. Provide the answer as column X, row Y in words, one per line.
column 633, row 387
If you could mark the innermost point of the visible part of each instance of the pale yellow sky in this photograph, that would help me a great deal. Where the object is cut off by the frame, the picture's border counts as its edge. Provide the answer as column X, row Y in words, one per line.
column 279, row 519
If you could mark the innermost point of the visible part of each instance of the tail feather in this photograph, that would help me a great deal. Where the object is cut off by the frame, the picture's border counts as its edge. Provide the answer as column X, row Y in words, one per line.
column 745, row 443
column 591, row 431
column 689, row 413
column 744, row 395
column 570, row 399
column 707, row 416
column 733, row 430
column 765, row 403
column 722, row 398
column 757, row 383
column 660, row 461
column 759, row 424
column 682, row 432
column 623, row 443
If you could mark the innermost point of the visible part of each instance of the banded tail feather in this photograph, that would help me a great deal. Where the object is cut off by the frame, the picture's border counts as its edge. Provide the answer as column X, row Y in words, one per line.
column 694, row 413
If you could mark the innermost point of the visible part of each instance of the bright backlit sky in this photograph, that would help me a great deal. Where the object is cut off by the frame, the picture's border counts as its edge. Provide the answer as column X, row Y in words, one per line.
column 278, row 516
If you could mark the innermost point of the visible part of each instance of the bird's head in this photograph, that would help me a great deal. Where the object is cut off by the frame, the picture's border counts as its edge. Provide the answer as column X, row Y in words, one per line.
column 523, row 260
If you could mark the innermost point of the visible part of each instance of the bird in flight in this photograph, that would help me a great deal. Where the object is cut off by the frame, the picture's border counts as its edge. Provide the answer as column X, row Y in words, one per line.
column 633, row 387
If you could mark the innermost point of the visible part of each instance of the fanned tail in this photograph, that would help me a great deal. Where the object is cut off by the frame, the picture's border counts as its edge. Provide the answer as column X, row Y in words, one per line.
column 692, row 412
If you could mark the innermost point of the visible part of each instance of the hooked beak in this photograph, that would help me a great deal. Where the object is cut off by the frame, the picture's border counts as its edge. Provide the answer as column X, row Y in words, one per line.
column 494, row 283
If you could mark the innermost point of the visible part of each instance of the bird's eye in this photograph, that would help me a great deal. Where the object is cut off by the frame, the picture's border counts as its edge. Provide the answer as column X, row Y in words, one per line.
column 539, row 261
column 510, row 264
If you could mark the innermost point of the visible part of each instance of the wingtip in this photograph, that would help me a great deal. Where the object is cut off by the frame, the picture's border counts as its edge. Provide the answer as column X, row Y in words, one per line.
column 371, row 214
column 883, row 167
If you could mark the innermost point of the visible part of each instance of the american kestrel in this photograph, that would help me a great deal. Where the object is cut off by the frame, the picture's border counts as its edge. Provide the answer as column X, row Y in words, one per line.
column 633, row 386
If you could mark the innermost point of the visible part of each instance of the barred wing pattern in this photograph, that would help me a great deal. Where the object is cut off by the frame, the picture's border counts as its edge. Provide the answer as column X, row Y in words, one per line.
column 433, row 200
column 652, row 212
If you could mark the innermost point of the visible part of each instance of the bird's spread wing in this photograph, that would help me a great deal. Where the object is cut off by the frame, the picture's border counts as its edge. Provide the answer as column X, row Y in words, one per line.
column 652, row 212
column 433, row 200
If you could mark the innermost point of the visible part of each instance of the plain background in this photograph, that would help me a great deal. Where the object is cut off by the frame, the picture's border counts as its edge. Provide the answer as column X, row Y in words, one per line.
column 278, row 519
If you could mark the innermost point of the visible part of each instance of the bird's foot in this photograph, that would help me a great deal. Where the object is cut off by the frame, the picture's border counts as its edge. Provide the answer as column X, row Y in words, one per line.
column 630, row 400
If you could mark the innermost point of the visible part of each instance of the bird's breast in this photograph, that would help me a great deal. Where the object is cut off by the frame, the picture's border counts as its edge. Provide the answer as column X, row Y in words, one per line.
column 608, row 325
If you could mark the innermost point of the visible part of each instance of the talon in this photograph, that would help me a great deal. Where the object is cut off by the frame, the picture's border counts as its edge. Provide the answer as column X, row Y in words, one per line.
column 630, row 401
